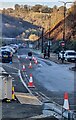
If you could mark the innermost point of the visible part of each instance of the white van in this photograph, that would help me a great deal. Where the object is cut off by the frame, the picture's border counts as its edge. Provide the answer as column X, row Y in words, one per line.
column 70, row 55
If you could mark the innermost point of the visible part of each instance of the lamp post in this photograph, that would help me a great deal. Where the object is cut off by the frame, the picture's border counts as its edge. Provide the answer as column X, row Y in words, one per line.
column 64, row 17
column 42, row 40
column 64, row 27
column 49, row 38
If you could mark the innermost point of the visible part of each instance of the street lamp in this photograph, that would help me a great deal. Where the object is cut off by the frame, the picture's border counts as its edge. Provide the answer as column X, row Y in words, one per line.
column 42, row 40
column 49, row 38
column 64, row 27
column 64, row 17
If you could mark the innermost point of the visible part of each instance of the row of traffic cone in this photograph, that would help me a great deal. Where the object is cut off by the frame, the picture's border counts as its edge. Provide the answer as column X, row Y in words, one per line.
column 30, row 64
column 31, row 84
column 24, row 68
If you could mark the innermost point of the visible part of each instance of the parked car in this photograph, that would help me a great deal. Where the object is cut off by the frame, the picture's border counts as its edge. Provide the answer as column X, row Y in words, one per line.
column 8, row 48
column 6, row 56
column 68, row 55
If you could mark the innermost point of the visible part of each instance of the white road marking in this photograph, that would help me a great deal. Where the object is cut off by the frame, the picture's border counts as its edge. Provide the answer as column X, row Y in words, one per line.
column 24, row 82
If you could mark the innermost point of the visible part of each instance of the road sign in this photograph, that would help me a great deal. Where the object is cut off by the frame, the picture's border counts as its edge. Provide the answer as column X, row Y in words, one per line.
column 63, row 44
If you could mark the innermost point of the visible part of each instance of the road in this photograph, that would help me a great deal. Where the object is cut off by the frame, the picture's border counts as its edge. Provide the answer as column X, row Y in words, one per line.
column 51, row 80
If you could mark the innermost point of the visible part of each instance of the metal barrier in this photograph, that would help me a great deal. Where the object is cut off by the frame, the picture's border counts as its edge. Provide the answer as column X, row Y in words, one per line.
column 60, row 111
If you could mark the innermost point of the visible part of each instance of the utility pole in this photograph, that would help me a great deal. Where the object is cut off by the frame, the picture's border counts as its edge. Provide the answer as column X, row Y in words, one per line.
column 49, row 38
column 64, row 27
column 64, row 17
column 42, row 40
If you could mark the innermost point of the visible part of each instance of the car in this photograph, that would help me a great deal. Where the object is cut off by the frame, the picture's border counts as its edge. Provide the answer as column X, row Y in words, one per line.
column 11, row 49
column 6, row 56
column 68, row 55
column 8, row 48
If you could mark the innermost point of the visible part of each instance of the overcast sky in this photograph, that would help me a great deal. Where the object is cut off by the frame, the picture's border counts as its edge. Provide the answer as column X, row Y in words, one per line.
column 50, row 3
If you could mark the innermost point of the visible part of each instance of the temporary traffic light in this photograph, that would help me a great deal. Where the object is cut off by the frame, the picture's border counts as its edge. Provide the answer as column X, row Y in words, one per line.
column 62, row 43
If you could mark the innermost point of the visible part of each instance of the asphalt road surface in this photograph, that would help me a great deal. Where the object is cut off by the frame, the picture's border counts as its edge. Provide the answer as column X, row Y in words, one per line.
column 51, row 80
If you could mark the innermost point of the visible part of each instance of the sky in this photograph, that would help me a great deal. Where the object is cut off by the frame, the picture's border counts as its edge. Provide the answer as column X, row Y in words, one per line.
column 49, row 3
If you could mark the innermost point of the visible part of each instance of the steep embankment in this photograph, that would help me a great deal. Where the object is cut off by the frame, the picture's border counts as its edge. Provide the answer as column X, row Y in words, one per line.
column 70, row 27
column 12, row 27
column 16, row 22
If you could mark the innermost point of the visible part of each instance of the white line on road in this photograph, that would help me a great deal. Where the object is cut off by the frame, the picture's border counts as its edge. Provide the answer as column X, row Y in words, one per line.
column 24, row 82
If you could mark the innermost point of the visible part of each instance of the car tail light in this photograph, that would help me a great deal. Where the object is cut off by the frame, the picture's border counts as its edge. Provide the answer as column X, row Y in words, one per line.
column 10, row 55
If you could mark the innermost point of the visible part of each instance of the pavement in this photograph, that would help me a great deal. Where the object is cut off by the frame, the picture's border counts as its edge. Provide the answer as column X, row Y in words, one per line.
column 23, row 107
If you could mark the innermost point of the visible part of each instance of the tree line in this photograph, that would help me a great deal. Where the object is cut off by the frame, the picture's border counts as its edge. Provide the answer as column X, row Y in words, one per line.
column 36, row 8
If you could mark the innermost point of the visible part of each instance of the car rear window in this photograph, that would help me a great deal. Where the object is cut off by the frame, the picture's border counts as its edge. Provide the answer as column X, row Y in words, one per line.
column 71, row 53
column 5, row 52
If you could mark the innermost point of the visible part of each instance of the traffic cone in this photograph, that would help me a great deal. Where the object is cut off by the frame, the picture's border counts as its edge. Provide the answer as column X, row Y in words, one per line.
column 33, row 58
column 26, row 57
column 35, row 61
column 66, row 102
column 18, row 57
column 30, row 65
column 30, row 84
column 23, row 68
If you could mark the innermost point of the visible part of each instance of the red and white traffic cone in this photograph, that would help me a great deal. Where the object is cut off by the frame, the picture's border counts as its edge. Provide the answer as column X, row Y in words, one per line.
column 31, row 84
column 66, row 102
column 33, row 58
column 23, row 68
column 30, row 65
column 35, row 61
column 26, row 57
column 18, row 57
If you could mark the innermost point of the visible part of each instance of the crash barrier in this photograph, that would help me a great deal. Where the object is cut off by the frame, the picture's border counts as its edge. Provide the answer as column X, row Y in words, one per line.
column 5, row 86
column 59, row 111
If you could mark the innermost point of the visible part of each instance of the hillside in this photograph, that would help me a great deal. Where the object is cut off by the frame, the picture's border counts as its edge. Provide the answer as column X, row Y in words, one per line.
column 20, row 22
column 70, row 28
column 13, row 27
